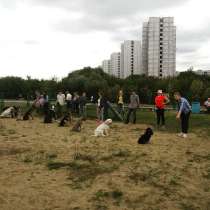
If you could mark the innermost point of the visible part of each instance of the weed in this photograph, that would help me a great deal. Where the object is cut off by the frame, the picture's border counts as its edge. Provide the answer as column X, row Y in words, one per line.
column 101, row 207
column 56, row 165
column 99, row 195
column 11, row 131
column 116, row 194
column 207, row 175
column 121, row 153
column 174, row 180
column 38, row 157
column 186, row 206
column 78, row 156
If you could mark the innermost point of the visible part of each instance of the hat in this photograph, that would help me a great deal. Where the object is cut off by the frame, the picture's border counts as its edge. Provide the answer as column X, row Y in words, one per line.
column 160, row 92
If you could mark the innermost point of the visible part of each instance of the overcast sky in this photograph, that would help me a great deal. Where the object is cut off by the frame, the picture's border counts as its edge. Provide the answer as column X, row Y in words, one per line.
column 46, row 38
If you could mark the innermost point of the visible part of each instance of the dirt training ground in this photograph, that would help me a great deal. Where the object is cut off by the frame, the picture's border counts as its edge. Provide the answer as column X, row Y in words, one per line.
column 45, row 167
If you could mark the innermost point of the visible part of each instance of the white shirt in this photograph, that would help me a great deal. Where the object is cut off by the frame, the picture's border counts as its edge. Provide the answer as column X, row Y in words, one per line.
column 61, row 99
column 68, row 97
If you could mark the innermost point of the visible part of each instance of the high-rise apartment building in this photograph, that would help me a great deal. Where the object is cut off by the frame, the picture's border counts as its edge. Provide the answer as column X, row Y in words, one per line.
column 159, row 47
column 130, row 58
column 106, row 66
column 115, row 64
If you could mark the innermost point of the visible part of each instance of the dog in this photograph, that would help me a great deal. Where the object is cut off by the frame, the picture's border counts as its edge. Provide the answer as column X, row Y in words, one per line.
column 9, row 112
column 66, row 118
column 102, row 130
column 145, row 138
column 28, row 114
column 78, row 125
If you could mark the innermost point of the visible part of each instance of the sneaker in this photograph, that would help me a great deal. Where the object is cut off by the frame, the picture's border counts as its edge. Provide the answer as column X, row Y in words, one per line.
column 180, row 134
column 184, row 135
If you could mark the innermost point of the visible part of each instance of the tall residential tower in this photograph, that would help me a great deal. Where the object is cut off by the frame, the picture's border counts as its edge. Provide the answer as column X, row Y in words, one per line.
column 159, row 47
column 130, row 58
column 115, row 64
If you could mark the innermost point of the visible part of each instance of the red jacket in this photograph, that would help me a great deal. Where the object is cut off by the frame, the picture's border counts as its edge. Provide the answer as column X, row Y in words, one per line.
column 159, row 101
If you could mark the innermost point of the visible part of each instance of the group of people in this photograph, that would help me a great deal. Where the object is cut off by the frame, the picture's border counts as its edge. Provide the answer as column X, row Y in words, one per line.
column 77, row 104
column 74, row 103
column 161, row 100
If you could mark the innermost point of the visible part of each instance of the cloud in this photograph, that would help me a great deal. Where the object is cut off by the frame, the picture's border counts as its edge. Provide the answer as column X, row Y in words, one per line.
column 31, row 42
column 116, row 8
column 190, row 41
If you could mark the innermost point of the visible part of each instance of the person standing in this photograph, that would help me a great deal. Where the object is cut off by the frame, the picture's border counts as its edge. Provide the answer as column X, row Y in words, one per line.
column 99, row 109
column 82, row 106
column 69, row 101
column 104, row 106
column 60, row 103
column 76, row 103
column 160, row 101
column 120, row 103
column 184, row 110
column 207, row 105
column 132, row 107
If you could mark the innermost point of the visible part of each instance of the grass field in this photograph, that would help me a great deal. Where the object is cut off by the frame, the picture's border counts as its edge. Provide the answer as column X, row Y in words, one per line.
column 45, row 167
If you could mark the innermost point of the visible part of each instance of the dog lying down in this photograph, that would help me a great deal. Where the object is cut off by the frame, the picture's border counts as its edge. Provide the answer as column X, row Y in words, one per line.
column 145, row 138
column 102, row 130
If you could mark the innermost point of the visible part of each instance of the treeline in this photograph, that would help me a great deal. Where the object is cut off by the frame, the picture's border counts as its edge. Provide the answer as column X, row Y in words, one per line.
column 192, row 86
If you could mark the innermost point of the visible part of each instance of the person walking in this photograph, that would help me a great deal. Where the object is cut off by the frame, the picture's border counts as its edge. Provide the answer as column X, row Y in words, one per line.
column 82, row 105
column 132, row 107
column 184, row 111
column 160, row 101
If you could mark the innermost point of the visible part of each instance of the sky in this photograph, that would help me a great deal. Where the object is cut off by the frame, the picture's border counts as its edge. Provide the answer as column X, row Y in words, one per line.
column 50, row 38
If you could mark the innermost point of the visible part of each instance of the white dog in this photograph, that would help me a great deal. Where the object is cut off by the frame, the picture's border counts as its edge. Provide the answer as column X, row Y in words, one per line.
column 7, row 112
column 102, row 130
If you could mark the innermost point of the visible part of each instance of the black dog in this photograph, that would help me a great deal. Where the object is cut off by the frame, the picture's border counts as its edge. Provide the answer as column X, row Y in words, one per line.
column 66, row 118
column 145, row 138
column 28, row 113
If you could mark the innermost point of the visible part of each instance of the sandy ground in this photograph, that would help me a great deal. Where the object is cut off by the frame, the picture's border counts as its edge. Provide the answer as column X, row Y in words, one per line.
column 45, row 167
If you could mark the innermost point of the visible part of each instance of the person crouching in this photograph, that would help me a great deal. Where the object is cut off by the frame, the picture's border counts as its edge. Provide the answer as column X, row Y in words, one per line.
column 102, row 130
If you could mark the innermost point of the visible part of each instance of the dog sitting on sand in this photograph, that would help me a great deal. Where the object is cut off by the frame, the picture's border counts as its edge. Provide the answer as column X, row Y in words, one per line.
column 145, row 138
column 65, row 119
column 78, row 125
column 28, row 114
column 102, row 130
column 9, row 112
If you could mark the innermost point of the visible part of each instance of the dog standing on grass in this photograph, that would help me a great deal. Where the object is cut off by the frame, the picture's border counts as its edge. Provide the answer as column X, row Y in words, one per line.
column 145, row 138
column 102, row 130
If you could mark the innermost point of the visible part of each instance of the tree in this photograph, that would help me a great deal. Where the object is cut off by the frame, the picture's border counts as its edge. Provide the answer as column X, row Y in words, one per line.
column 197, row 89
